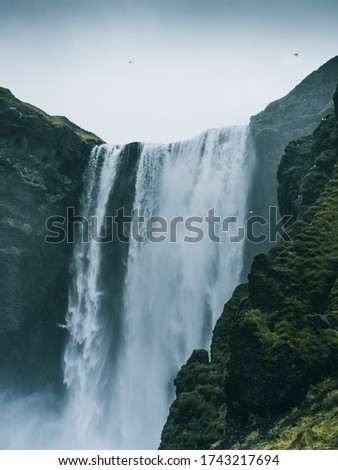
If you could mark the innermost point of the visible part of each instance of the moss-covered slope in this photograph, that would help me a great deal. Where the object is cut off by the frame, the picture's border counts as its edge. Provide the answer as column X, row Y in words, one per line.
column 42, row 159
column 274, row 352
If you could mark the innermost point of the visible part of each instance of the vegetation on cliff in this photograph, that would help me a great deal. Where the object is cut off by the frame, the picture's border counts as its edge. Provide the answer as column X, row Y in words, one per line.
column 42, row 159
column 275, row 348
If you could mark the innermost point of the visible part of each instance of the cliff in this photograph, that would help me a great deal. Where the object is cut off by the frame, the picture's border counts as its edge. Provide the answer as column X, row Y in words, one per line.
column 295, row 115
column 272, row 379
column 42, row 159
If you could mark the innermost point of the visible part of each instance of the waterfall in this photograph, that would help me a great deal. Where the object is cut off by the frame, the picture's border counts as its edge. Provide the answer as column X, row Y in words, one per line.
column 173, row 291
column 86, row 353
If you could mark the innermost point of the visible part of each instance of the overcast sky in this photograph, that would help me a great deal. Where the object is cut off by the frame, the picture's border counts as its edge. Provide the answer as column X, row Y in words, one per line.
column 196, row 64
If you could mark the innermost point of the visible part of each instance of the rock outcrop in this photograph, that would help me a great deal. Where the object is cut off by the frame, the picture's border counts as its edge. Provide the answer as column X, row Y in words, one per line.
column 293, row 116
column 42, row 160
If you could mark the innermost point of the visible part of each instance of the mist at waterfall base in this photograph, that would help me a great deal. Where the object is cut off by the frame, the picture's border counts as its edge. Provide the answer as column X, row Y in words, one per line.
column 137, row 312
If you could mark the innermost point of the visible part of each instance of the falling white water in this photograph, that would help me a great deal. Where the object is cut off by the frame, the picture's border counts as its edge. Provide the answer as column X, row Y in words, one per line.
column 174, row 291
column 86, row 353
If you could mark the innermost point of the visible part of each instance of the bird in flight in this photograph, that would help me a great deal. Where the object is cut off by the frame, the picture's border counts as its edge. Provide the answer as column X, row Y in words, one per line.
column 296, row 54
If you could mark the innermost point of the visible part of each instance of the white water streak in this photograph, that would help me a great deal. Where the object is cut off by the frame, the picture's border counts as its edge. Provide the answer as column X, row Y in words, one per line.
column 86, row 352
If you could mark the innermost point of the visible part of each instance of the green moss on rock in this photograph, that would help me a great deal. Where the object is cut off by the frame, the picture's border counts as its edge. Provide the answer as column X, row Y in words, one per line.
column 42, row 160
column 197, row 416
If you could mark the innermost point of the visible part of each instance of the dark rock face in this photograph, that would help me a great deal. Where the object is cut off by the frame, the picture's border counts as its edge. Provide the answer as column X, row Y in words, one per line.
column 296, row 115
column 42, row 160
column 335, row 100
column 197, row 416
column 275, row 347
